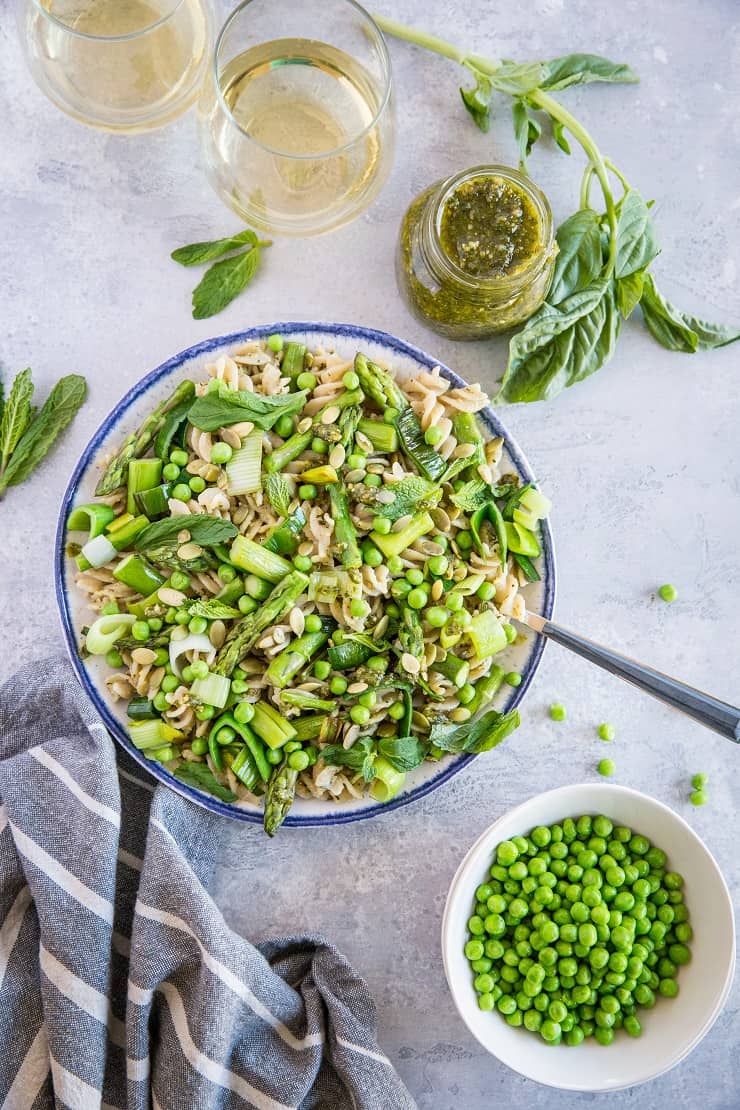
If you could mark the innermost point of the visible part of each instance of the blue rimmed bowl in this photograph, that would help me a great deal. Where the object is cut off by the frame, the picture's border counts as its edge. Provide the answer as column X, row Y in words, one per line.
column 131, row 410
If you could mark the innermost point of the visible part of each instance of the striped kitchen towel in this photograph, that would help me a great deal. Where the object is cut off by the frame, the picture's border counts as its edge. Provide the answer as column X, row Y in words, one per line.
column 121, row 986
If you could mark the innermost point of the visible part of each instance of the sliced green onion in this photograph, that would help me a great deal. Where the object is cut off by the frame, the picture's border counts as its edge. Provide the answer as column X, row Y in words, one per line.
column 213, row 690
column 142, row 474
column 102, row 635
column 152, row 734
column 256, row 559
column 395, row 542
column 383, row 437
column 487, row 634
column 92, row 519
column 135, row 572
column 244, row 470
column 196, row 641
column 270, row 725
column 98, row 551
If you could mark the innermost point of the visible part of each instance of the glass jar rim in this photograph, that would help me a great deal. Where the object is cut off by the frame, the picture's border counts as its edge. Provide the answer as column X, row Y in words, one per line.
column 383, row 104
column 544, row 212
column 128, row 36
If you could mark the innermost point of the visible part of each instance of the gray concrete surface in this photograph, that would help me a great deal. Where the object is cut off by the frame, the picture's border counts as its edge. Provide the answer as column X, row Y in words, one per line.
column 641, row 461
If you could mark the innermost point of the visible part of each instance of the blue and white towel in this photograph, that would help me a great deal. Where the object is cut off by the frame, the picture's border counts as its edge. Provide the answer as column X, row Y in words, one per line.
column 121, row 986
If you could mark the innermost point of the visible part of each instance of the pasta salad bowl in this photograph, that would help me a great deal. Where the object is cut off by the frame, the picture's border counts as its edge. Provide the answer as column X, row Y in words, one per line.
column 315, row 584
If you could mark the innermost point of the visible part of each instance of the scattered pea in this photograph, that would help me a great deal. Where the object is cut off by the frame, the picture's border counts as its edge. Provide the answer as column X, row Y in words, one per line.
column 698, row 798
column 284, row 426
column 557, row 712
column 221, row 453
column 513, row 678
column 179, row 457
column 668, row 592
column 607, row 731
column 319, row 446
column 303, row 563
column 306, row 380
column 350, row 380
column 307, row 491
column 606, row 767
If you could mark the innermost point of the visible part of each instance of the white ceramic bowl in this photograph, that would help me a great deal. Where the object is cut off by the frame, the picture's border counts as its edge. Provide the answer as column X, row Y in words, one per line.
column 675, row 1026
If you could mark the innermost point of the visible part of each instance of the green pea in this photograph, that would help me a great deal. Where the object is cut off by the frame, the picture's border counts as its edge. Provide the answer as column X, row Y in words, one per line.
column 114, row 658
column 179, row 457
column 188, row 674
column 486, row 1002
column 284, row 426
column 356, row 461
column 437, row 565
column 510, row 633
column 513, row 678
column 382, row 525
column 699, row 780
column 274, row 756
column 246, row 604
column 350, row 380
column 181, row 492
column 198, row 625
column 368, row 698
column 698, row 798
column 455, row 602
column 464, row 540
column 474, row 950
column 371, row 556
column 298, row 761
column 557, row 712
column 433, row 435
column 358, row 608
column 338, row 685
column 196, row 483
column 436, row 616
column 360, row 714
column 373, row 481
column 606, row 767
column 668, row 592
column 307, row 491
column 170, row 472
column 140, row 630
column 607, row 731
column 417, row 597
column 275, row 342
column 306, row 380
column 377, row 663
column 396, row 710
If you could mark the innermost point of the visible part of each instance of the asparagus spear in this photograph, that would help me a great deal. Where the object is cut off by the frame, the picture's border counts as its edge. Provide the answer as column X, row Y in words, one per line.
column 244, row 634
column 138, row 442
column 297, row 443
column 344, row 529
column 410, row 632
column 379, row 385
column 286, row 665
column 279, row 796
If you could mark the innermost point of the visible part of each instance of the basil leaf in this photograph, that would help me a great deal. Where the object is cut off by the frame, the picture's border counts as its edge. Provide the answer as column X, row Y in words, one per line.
column 55, row 414
column 637, row 244
column 204, row 531
column 200, row 776
column 403, row 753
column 224, row 281
column 212, row 610
column 478, row 100
column 677, row 330
column 232, row 406
column 579, row 260
column 479, row 736
column 584, row 69
column 558, row 134
column 197, row 253
column 527, row 131
column 16, row 416
column 278, row 493
column 561, row 346
column 517, row 79
column 629, row 290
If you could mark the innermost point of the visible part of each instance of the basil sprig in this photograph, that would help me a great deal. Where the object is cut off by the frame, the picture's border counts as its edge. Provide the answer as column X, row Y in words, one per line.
column 27, row 435
column 226, row 279
column 601, row 273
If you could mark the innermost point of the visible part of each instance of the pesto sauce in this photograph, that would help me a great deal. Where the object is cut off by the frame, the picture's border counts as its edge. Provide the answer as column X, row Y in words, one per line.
column 489, row 228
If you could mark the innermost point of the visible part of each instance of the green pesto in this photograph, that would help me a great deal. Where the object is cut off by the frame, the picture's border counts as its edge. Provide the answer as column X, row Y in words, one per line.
column 490, row 228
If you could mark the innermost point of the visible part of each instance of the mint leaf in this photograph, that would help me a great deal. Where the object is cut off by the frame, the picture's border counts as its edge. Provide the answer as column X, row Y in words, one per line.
column 232, row 406
column 278, row 493
column 479, row 736
column 402, row 752
column 224, row 281
column 16, row 416
column 197, row 253
column 56, row 413
column 212, row 610
column 204, row 530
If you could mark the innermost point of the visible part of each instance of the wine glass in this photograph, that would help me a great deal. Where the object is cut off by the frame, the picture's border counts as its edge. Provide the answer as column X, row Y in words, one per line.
column 122, row 65
column 296, row 119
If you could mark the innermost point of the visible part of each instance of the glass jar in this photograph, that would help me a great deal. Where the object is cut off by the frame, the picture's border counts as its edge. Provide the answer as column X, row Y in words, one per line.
column 448, row 298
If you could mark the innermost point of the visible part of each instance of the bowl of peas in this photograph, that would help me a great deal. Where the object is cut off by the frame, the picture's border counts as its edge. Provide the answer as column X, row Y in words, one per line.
column 589, row 938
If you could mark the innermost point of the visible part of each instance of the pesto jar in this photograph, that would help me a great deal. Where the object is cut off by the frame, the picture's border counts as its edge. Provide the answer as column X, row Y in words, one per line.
column 476, row 252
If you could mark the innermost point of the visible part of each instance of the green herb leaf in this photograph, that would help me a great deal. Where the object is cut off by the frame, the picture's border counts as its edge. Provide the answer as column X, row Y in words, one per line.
column 200, row 776
column 479, row 736
column 584, row 69
column 629, row 290
column 197, row 253
column 413, row 494
column 55, row 414
column 278, row 493
column 212, row 610
column 232, row 406
column 478, row 100
column 517, row 79
column 204, row 530
column 473, row 495
column 527, row 131
column 224, row 281
column 677, row 330
column 579, row 259
column 558, row 134
column 16, row 416
column 637, row 244
column 403, row 752
column 304, row 700
column 359, row 757
column 562, row 345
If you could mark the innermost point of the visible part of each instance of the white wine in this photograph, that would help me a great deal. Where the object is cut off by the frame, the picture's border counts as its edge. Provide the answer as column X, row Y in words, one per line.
column 315, row 146
column 119, row 64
